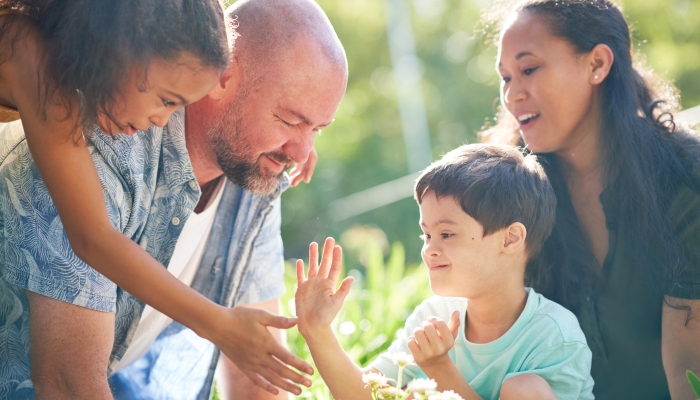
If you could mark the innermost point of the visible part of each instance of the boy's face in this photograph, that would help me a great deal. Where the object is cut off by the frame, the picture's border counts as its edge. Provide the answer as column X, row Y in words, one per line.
column 460, row 260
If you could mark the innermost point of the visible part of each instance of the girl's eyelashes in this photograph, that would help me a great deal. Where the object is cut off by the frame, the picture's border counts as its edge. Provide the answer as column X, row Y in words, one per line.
column 168, row 103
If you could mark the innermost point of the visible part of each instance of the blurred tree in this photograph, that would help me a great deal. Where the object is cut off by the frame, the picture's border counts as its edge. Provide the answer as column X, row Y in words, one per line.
column 364, row 146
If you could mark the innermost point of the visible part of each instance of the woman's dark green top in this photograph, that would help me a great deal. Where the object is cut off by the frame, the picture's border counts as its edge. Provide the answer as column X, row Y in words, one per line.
column 622, row 324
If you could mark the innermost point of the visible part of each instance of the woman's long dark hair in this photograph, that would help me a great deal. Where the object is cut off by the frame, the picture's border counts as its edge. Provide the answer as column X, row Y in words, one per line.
column 91, row 44
column 642, row 148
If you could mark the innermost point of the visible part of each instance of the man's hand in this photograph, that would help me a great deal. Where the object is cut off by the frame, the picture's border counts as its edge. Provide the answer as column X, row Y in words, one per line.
column 317, row 301
column 430, row 343
column 304, row 171
column 247, row 342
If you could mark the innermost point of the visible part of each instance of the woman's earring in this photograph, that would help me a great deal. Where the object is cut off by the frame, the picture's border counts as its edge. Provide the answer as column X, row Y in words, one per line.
column 595, row 77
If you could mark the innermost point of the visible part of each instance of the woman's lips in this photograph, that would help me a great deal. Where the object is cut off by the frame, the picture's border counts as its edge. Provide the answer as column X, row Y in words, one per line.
column 528, row 123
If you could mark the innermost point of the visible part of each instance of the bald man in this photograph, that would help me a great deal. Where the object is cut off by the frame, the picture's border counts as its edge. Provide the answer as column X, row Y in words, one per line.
column 284, row 85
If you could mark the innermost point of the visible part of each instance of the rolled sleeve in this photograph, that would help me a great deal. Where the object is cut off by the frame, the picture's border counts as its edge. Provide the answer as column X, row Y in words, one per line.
column 685, row 217
column 264, row 279
column 35, row 251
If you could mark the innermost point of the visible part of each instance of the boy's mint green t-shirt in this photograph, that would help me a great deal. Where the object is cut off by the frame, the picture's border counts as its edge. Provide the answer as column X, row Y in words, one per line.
column 545, row 340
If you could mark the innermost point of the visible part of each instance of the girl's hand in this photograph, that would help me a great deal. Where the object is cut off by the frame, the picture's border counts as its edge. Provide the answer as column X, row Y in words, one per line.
column 317, row 301
column 431, row 342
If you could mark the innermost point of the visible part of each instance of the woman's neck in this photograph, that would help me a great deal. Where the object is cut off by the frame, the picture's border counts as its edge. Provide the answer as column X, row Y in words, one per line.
column 490, row 316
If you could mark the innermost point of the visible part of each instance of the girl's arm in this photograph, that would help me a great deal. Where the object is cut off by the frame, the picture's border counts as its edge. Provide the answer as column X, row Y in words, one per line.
column 69, row 174
column 317, row 303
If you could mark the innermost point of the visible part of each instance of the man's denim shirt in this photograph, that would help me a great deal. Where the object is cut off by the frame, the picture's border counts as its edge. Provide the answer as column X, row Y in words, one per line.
column 150, row 191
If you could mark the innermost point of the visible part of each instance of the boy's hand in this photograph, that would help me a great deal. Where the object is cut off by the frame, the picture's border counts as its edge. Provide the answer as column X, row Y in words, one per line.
column 430, row 343
column 317, row 301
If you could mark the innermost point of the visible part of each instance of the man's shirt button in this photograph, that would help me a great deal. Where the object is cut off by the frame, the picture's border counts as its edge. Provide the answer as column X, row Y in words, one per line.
column 176, row 221
column 192, row 184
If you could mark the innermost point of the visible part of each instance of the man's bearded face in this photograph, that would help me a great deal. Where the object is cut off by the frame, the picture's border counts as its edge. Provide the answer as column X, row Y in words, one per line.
column 235, row 155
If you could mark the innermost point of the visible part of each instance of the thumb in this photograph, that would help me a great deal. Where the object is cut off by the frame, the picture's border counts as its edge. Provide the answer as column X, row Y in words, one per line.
column 276, row 321
column 344, row 288
column 453, row 324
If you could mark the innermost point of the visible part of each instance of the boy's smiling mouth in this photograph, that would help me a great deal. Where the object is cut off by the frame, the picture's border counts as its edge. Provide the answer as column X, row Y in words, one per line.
column 434, row 267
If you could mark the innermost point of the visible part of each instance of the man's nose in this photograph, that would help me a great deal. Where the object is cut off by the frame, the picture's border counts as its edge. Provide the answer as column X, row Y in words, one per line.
column 299, row 148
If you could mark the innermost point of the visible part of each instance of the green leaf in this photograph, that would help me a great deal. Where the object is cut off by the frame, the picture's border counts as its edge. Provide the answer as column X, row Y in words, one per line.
column 694, row 382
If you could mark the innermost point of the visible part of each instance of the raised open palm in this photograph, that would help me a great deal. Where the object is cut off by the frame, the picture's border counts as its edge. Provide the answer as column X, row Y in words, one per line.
column 317, row 300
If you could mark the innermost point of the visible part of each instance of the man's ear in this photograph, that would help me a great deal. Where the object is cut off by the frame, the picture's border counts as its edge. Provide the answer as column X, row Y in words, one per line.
column 600, row 61
column 228, row 82
column 515, row 235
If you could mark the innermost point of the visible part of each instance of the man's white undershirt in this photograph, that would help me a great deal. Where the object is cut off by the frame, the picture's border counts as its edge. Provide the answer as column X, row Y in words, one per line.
column 184, row 263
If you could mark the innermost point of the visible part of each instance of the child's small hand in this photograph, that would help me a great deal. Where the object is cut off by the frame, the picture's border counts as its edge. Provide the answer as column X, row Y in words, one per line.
column 317, row 301
column 430, row 343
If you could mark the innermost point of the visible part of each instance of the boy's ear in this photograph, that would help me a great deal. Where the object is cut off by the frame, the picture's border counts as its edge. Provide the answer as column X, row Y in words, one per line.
column 514, row 238
column 228, row 83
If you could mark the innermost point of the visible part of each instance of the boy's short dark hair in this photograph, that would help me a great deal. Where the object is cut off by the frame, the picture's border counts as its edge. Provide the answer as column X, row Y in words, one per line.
column 496, row 185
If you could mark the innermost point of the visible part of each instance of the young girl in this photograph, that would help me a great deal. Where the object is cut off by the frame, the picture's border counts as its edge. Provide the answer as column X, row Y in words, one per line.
column 66, row 64
column 623, row 255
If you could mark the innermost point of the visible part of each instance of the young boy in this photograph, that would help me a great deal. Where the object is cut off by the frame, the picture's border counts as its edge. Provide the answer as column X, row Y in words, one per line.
column 485, row 211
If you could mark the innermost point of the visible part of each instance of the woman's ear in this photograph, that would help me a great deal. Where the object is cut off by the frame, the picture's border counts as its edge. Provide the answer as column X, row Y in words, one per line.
column 514, row 238
column 228, row 83
column 600, row 60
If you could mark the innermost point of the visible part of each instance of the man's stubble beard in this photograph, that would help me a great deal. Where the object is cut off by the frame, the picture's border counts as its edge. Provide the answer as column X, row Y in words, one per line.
column 228, row 139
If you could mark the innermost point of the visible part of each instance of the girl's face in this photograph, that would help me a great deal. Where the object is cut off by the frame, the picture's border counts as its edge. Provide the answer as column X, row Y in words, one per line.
column 150, row 97
column 546, row 86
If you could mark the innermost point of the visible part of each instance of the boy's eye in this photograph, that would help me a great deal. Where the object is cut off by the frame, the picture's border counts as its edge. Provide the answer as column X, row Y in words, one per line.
column 446, row 235
column 424, row 237
column 168, row 103
column 529, row 71
column 505, row 79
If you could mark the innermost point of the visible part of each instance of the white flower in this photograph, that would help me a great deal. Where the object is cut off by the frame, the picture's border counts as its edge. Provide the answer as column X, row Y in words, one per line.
column 402, row 359
column 389, row 394
column 421, row 386
column 446, row 395
column 375, row 380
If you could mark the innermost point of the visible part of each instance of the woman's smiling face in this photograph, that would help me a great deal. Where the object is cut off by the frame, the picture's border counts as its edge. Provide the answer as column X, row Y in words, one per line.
column 546, row 86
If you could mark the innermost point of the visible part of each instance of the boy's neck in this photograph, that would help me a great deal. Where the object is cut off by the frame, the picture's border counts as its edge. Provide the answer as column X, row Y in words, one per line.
column 490, row 316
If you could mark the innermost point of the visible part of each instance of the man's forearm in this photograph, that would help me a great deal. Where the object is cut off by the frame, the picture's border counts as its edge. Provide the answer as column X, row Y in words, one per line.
column 342, row 376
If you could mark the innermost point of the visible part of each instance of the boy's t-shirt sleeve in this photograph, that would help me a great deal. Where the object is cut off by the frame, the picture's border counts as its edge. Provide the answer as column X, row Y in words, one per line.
column 565, row 366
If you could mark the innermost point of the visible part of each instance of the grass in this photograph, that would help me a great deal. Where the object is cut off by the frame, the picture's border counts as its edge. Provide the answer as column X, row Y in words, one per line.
column 382, row 297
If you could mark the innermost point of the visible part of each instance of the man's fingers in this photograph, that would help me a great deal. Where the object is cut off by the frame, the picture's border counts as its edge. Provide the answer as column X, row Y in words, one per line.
column 327, row 258
column 300, row 273
column 310, row 166
column 290, row 359
column 276, row 321
column 336, row 265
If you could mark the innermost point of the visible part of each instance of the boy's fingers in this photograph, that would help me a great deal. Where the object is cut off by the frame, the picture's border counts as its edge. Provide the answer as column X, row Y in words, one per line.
column 430, row 332
column 344, row 288
column 313, row 260
column 413, row 346
column 422, row 341
column 444, row 331
column 300, row 273
column 453, row 324
column 327, row 258
column 337, row 264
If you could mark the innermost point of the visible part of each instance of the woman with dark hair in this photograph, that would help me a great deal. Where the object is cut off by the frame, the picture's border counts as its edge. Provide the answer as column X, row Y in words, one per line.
column 124, row 65
column 624, row 254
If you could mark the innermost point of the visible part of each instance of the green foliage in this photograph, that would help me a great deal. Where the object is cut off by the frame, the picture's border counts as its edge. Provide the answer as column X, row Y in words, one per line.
column 382, row 297
column 694, row 382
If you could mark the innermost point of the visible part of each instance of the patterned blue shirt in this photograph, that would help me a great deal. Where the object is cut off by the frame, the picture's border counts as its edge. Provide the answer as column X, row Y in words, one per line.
column 150, row 191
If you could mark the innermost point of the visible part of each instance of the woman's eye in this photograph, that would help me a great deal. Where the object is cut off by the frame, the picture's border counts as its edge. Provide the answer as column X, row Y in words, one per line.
column 529, row 71
column 446, row 235
column 168, row 103
column 505, row 79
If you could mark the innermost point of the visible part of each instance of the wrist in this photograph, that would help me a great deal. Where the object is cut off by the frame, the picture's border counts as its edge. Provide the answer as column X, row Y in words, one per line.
column 437, row 366
column 315, row 333
column 211, row 324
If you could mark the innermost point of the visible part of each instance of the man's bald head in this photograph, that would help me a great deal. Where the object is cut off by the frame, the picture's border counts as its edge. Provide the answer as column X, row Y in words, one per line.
column 270, row 28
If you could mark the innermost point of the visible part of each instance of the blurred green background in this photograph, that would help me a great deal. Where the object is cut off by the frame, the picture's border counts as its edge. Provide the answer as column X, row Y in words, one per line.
column 364, row 147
